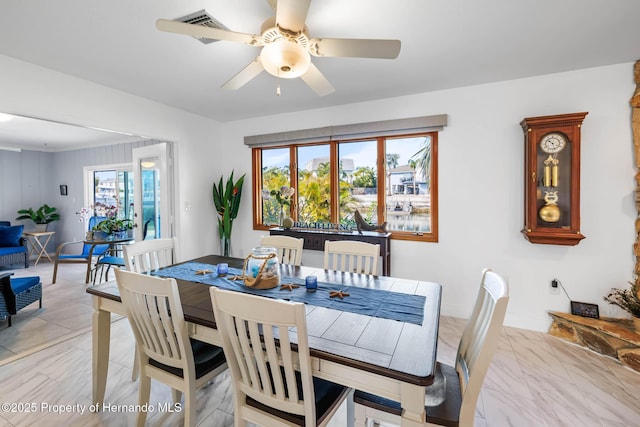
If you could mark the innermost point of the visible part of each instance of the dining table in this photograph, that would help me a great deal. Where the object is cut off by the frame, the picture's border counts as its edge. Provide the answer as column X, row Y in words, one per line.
column 378, row 335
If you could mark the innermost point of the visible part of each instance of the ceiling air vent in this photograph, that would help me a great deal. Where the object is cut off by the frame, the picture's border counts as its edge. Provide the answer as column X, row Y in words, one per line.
column 204, row 19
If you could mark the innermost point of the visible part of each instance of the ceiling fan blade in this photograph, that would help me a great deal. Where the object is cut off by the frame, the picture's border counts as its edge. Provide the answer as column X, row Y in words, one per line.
column 291, row 14
column 246, row 74
column 355, row 48
column 316, row 81
column 207, row 32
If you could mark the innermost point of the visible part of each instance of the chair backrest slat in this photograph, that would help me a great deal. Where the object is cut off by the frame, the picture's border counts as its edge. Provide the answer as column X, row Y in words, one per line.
column 289, row 249
column 149, row 255
column 351, row 256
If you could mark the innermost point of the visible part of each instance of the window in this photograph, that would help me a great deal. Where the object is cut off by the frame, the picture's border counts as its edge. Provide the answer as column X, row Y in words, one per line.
column 110, row 186
column 313, row 184
column 390, row 179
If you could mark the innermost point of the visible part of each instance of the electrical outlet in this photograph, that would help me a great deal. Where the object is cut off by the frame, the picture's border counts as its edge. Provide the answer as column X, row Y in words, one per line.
column 554, row 289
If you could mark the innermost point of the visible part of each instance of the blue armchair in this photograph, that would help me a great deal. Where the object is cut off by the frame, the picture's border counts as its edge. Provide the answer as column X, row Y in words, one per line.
column 13, row 247
column 89, row 251
column 16, row 294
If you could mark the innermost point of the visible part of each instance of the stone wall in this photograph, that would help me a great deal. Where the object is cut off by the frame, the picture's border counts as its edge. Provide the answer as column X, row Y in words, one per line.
column 615, row 338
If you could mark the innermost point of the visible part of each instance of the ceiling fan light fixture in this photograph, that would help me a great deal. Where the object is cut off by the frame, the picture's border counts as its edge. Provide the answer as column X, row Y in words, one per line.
column 5, row 117
column 285, row 58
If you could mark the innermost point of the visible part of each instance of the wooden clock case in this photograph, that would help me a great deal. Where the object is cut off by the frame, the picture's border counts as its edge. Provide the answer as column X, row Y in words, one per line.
column 562, row 197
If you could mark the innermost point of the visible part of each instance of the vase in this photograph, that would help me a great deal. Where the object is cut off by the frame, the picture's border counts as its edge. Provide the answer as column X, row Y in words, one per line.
column 281, row 216
column 100, row 235
column 225, row 246
column 261, row 269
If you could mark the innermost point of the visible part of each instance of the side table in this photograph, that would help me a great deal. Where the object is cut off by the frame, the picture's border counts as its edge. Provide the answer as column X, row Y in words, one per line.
column 38, row 241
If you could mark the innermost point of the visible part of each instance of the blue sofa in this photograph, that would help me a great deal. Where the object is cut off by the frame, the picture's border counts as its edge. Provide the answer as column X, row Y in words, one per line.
column 13, row 246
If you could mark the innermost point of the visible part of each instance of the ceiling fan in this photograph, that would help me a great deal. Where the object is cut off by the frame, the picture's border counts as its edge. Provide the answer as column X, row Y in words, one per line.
column 286, row 46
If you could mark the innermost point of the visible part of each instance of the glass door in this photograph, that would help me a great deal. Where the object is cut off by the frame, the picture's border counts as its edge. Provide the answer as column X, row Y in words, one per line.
column 152, row 212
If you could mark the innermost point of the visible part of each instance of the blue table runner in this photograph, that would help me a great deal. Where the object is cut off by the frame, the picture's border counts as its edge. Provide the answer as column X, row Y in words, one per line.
column 370, row 302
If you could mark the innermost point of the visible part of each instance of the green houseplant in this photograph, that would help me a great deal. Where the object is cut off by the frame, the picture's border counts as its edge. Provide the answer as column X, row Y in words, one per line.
column 227, row 201
column 113, row 225
column 42, row 216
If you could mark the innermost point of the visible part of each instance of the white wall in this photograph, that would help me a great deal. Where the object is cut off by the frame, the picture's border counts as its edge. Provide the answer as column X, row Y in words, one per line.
column 481, row 161
column 38, row 92
column 480, row 182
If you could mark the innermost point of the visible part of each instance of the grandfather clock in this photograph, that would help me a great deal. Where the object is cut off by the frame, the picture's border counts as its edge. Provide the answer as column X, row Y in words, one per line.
column 552, row 179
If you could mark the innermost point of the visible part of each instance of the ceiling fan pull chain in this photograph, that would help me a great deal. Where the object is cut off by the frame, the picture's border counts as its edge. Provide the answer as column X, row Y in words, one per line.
column 278, row 87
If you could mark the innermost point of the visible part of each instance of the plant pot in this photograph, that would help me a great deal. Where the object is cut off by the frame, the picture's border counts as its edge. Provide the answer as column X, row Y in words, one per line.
column 100, row 235
column 40, row 228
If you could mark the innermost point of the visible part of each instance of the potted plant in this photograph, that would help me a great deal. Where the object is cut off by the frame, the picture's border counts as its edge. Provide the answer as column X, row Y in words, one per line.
column 113, row 225
column 42, row 216
column 628, row 300
column 227, row 201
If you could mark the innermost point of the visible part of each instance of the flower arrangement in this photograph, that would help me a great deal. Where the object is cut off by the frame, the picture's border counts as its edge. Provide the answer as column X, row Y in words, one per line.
column 85, row 214
column 112, row 224
column 227, row 201
column 626, row 299
column 283, row 195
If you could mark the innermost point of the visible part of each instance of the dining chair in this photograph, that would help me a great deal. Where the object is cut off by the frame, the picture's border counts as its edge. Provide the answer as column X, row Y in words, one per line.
column 149, row 255
column 351, row 256
column 84, row 257
column 165, row 351
column 289, row 249
column 145, row 256
column 451, row 399
column 272, row 385
column 104, row 263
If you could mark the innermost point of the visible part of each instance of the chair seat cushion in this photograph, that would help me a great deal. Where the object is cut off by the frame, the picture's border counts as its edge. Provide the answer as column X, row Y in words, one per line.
column 327, row 395
column 73, row 256
column 444, row 411
column 21, row 284
column 12, row 250
column 112, row 260
column 10, row 236
column 206, row 357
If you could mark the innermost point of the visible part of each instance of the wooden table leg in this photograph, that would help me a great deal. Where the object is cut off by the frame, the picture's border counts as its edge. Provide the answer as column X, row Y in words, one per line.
column 41, row 248
column 100, row 355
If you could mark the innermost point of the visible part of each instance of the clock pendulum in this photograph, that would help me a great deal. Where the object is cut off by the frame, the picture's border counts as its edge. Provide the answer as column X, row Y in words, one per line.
column 551, row 144
column 550, row 212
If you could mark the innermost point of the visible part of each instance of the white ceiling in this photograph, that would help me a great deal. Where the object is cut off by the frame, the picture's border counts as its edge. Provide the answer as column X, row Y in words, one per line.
column 445, row 44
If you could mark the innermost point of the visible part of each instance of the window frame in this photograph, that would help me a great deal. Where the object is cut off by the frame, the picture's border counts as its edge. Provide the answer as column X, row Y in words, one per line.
column 256, row 163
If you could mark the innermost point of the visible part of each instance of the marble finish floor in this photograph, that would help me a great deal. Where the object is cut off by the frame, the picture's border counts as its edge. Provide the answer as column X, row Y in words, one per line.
column 535, row 379
column 66, row 311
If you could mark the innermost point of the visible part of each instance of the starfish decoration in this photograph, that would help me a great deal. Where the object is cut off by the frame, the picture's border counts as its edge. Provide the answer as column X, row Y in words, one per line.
column 289, row 286
column 203, row 272
column 339, row 294
column 234, row 278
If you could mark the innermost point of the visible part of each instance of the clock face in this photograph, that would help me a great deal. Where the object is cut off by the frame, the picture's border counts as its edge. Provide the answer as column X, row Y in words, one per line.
column 553, row 143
